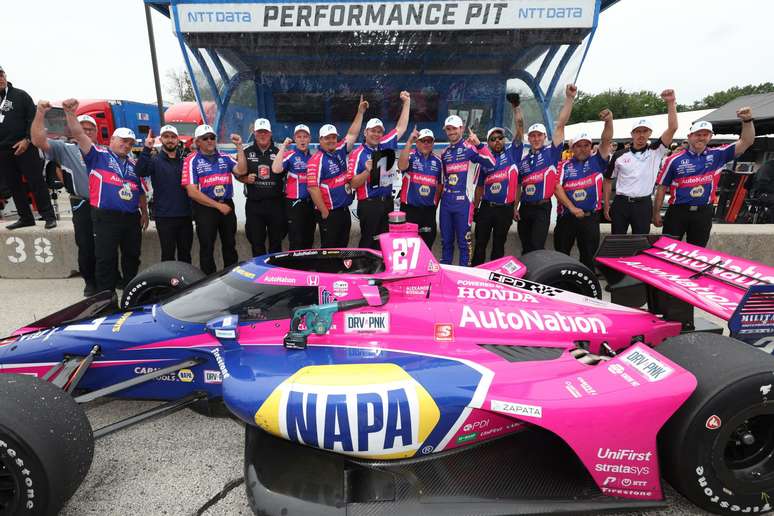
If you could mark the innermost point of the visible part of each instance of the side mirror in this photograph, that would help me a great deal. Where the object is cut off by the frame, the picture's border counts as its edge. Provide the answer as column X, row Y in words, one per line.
column 225, row 327
column 375, row 295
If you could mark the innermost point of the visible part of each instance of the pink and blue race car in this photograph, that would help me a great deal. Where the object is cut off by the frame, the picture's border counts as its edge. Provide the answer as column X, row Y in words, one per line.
column 386, row 383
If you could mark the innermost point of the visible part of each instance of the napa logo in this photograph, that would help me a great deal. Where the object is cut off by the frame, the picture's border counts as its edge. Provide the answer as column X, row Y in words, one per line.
column 366, row 410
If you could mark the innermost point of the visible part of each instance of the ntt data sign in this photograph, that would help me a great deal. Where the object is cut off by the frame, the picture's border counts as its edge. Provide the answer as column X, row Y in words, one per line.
column 385, row 16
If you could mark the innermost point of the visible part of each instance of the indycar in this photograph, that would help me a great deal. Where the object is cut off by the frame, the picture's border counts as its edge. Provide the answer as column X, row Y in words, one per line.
column 382, row 382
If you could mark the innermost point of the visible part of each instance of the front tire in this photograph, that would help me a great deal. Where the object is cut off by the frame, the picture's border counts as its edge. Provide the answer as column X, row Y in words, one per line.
column 718, row 448
column 46, row 446
column 158, row 282
column 558, row 270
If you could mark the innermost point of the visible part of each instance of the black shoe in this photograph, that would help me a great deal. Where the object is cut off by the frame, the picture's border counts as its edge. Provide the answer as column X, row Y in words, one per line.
column 89, row 290
column 50, row 224
column 21, row 223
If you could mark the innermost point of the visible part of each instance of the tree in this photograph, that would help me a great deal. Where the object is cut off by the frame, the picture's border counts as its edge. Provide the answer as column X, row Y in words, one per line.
column 622, row 103
column 179, row 86
column 717, row 99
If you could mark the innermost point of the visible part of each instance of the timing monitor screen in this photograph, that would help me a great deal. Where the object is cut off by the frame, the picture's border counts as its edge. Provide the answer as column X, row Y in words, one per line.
column 383, row 168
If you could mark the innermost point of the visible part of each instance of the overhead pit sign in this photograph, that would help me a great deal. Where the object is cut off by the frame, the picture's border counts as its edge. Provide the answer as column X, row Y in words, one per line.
column 385, row 16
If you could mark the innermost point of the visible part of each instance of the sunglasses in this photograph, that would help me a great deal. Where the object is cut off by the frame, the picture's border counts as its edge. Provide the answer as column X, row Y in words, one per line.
column 496, row 138
column 425, row 140
column 207, row 138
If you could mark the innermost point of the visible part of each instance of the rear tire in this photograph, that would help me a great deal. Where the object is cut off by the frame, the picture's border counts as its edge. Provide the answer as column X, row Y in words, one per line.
column 718, row 448
column 46, row 446
column 561, row 271
column 158, row 282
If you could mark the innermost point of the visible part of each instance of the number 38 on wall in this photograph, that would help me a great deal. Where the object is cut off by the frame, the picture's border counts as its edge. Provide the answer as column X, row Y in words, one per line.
column 41, row 247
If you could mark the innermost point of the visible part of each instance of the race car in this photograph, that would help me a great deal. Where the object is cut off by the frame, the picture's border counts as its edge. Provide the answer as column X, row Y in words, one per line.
column 384, row 382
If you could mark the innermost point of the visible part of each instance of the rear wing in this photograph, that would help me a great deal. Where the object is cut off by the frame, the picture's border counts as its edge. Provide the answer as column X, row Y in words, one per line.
column 728, row 287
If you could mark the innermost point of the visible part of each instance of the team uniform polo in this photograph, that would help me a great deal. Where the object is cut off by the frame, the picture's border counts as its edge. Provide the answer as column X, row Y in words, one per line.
column 419, row 193
column 328, row 172
column 298, row 205
column 113, row 183
column 582, row 182
column 538, row 178
column 693, row 181
column 495, row 214
column 456, row 209
column 374, row 203
column 114, row 194
column 635, row 173
column 212, row 174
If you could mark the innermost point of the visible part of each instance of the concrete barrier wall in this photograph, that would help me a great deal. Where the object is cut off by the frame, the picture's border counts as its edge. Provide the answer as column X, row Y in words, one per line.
column 38, row 253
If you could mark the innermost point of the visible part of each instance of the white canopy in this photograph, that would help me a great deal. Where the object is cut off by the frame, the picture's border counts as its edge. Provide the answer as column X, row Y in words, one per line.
column 622, row 128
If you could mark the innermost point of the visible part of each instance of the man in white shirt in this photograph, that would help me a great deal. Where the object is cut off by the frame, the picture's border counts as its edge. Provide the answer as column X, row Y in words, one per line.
column 635, row 173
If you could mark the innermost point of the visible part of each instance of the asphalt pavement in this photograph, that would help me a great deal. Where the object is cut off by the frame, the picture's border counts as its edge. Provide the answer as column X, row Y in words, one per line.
column 184, row 463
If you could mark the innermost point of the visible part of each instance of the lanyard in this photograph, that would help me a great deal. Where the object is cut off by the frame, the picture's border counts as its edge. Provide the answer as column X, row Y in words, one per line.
column 121, row 167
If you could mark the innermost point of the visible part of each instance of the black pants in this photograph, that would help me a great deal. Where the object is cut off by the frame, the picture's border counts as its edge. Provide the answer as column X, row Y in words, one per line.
column 175, row 234
column 114, row 230
column 534, row 220
column 424, row 218
column 495, row 220
column 301, row 223
column 625, row 213
column 334, row 231
column 265, row 218
column 373, row 215
column 210, row 223
column 30, row 166
column 680, row 221
column 585, row 231
column 84, row 239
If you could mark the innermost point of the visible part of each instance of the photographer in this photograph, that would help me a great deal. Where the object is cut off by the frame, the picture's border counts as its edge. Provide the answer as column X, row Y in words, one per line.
column 68, row 156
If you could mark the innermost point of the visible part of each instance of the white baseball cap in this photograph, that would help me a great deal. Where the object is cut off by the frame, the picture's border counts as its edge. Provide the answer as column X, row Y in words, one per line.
column 426, row 133
column 302, row 127
column 374, row 122
column 701, row 125
column 328, row 129
column 582, row 137
column 494, row 130
column 537, row 128
column 202, row 130
column 261, row 124
column 453, row 121
column 642, row 122
column 87, row 118
column 123, row 132
column 168, row 129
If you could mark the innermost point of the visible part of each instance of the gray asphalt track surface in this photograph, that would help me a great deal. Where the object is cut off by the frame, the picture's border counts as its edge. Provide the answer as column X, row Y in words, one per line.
column 181, row 464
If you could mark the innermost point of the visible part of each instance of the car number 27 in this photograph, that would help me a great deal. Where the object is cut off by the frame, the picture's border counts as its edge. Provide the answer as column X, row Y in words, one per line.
column 405, row 254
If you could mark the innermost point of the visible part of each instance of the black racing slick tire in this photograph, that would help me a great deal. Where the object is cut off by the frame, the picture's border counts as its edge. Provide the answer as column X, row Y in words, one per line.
column 558, row 270
column 158, row 282
column 718, row 448
column 46, row 446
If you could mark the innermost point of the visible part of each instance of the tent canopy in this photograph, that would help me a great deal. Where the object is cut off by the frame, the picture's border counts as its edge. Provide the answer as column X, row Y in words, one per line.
column 724, row 118
column 622, row 127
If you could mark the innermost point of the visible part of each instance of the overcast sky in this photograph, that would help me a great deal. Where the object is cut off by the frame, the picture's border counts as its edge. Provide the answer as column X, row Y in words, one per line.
column 99, row 48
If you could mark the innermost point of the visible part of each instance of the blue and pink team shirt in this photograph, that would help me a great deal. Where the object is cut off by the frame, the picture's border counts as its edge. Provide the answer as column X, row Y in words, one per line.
column 113, row 184
column 537, row 173
column 693, row 178
column 456, row 164
column 357, row 161
column 294, row 162
column 500, row 182
column 328, row 171
column 421, row 179
column 582, row 182
column 211, row 173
